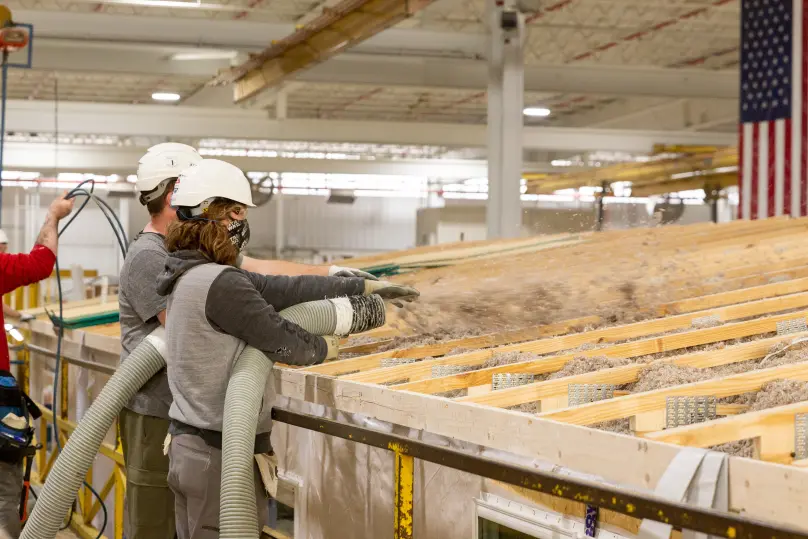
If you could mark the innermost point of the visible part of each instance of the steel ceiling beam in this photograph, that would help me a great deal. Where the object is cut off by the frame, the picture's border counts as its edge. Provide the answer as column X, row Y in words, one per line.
column 397, row 57
column 42, row 158
column 198, row 122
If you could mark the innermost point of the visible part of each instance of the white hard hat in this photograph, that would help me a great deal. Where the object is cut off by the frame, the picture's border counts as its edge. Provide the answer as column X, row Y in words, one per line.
column 3, row 237
column 159, row 165
column 207, row 180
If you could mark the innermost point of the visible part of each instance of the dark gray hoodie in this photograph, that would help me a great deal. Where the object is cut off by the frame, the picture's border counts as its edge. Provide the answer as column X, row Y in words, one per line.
column 214, row 311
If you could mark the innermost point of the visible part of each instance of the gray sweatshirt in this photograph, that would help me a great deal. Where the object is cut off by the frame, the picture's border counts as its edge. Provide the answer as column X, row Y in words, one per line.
column 214, row 311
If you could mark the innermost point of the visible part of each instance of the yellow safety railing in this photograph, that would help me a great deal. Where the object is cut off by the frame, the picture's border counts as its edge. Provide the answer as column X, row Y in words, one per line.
column 87, row 506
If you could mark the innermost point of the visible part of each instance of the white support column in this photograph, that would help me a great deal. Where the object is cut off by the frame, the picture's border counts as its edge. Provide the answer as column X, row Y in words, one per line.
column 505, row 124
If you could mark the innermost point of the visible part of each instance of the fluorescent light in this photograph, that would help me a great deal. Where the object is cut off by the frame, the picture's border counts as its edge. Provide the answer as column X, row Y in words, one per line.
column 204, row 55
column 160, row 3
column 16, row 335
column 538, row 112
column 165, row 96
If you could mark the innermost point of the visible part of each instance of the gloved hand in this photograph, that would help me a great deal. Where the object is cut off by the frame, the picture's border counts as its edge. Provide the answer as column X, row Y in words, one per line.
column 339, row 271
column 27, row 318
column 391, row 291
column 332, row 341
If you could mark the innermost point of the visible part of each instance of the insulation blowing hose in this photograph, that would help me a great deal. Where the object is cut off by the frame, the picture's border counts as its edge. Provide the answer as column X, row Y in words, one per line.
column 78, row 454
column 238, row 513
column 70, row 469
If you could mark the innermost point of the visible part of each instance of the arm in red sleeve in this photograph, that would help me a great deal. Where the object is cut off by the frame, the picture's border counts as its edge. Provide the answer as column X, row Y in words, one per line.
column 21, row 269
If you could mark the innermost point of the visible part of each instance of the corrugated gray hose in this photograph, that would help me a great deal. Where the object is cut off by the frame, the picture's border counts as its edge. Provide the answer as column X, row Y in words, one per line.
column 145, row 361
column 238, row 514
column 71, row 467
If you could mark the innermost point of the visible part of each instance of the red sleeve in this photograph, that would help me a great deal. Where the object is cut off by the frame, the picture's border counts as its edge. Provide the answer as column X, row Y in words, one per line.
column 22, row 269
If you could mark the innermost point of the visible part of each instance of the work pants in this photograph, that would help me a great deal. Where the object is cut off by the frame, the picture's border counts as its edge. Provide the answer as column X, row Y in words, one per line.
column 10, row 492
column 195, row 476
column 149, row 512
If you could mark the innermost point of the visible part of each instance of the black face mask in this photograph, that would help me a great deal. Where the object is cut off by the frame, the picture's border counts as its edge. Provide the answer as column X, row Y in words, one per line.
column 239, row 232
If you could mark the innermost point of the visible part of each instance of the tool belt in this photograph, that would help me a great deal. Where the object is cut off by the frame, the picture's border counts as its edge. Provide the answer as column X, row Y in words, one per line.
column 15, row 407
column 213, row 438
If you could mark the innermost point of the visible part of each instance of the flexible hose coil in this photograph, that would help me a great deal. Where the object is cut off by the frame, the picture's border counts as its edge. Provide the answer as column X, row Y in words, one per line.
column 245, row 391
column 71, row 467
column 238, row 514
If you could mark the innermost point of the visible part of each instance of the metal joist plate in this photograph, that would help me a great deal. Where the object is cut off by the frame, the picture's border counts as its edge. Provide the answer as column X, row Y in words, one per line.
column 506, row 380
column 796, row 325
column 801, row 436
column 688, row 410
column 578, row 394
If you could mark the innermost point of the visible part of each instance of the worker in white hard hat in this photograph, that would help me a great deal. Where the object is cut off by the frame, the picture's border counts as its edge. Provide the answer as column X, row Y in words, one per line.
column 144, row 421
column 215, row 309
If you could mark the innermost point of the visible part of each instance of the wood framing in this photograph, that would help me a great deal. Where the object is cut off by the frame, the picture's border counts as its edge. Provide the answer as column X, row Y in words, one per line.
column 705, row 285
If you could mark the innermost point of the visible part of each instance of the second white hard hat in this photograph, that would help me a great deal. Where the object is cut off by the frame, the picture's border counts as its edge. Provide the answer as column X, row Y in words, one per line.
column 160, row 164
column 3, row 237
column 207, row 180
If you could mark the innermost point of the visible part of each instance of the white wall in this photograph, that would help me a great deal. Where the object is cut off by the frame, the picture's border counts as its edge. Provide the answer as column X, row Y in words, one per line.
column 89, row 241
column 314, row 229
column 312, row 225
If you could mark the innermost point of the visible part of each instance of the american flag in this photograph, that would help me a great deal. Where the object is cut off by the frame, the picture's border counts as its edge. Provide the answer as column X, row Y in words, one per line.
column 772, row 145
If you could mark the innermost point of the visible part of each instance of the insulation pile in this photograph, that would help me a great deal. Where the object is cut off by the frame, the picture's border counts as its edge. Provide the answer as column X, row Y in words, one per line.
column 705, row 274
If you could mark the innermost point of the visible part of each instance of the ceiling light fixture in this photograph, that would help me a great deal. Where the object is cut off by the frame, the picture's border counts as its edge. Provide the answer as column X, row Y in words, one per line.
column 536, row 112
column 204, row 55
column 165, row 96
column 160, row 3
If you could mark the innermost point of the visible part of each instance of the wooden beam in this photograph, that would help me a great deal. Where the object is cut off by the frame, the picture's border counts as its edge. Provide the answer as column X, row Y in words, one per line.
column 423, row 369
column 745, row 282
column 774, row 427
column 654, row 345
column 374, row 361
column 649, row 401
column 625, row 374
column 643, row 347
column 756, row 488
column 735, row 296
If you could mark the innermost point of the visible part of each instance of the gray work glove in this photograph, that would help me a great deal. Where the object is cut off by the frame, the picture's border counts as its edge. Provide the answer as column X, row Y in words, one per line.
column 332, row 341
column 391, row 291
column 339, row 271
column 27, row 318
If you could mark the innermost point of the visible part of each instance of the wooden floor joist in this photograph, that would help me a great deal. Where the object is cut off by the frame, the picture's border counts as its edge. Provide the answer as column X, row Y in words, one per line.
column 423, row 370
column 736, row 296
column 627, row 374
column 651, row 401
column 438, row 349
column 772, row 431
column 690, row 286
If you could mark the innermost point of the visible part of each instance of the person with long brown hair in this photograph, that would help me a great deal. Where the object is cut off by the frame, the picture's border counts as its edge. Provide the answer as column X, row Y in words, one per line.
column 144, row 422
column 216, row 309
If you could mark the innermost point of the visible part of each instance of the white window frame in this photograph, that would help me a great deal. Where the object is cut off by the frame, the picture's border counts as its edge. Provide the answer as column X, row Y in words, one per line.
column 293, row 481
column 535, row 522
